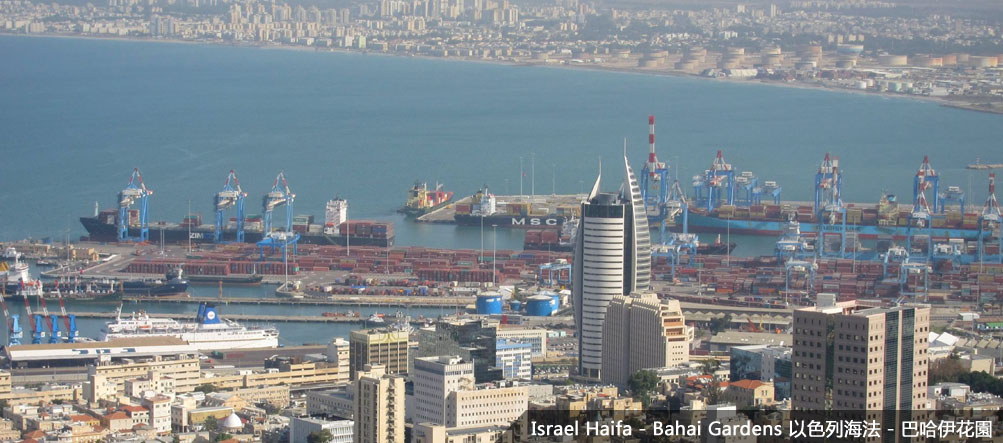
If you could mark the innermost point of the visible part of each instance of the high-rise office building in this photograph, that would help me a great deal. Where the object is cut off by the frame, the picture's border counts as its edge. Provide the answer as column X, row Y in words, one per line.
column 865, row 359
column 612, row 257
column 379, row 406
column 380, row 346
column 641, row 332
column 434, row 379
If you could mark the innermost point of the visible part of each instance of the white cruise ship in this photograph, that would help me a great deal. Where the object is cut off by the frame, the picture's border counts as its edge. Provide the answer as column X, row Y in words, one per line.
column 209, row 332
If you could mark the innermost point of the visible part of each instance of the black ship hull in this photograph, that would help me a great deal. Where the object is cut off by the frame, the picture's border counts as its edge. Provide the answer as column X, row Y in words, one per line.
column 248, row 280
column 512, row 221
column 175, row 234
column 145, row 289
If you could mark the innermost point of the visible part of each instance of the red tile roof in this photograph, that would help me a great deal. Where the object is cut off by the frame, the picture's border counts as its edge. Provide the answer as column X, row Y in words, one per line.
column 747, row 384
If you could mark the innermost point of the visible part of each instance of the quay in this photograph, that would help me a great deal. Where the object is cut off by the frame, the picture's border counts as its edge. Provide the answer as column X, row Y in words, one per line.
column 243, row 317
column 548, row 204
column 416, row 301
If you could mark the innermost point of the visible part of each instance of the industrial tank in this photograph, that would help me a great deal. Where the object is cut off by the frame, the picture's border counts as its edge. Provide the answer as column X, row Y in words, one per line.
column 489, row 303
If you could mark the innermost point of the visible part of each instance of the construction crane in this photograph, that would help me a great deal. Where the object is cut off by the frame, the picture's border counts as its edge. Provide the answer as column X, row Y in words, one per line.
column 136, row 191
column 231, row 196
column 14, row 332
column 279, row 195
column 654, row 176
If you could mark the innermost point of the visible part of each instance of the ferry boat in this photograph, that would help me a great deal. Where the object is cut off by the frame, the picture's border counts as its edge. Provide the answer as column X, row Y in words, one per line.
column 421, row 200
column 208, row 332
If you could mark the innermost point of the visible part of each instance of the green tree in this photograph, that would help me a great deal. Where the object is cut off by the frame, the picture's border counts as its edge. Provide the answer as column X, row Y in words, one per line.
column 206, row 388
column 946, row 370
column 720, row 324
column 322, row 436
column 642, row 383
column 210, row 424
column 223, row 436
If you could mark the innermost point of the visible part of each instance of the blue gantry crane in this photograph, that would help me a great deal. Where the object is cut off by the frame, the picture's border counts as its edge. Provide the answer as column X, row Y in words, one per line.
column 719, row 179
column 135, row 192
column 14, row 332
column 989, row 222
column 278, row 196
column 230, row 197
column 828, row 201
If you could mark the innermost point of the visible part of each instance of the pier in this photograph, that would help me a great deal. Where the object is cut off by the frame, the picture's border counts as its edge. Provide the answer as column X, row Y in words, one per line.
column 245, row 317
column 375, row 301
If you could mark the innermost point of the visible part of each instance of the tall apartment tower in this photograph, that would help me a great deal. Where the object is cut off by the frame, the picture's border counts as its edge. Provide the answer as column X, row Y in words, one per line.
column 641, row 332
column 612, row 257
column 379, row 406
column 867, row 359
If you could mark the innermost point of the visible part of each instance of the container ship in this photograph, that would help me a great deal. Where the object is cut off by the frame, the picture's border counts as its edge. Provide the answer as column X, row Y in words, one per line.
column 337, row 229
column 208, row 332
column 488, row 211
column 563, row 240
column 421, row 200
column 884, row 220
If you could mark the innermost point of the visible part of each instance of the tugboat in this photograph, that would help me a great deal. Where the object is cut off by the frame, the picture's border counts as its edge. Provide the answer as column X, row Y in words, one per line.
column 420, row 200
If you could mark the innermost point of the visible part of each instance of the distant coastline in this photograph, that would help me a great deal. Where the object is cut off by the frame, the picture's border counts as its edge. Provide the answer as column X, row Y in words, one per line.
column 956, row 103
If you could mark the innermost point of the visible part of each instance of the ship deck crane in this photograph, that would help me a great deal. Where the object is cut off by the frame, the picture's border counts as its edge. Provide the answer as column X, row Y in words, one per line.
column 277, row 196
column 136, row 191
column 989, row 220
column 231, row 196
column 654, row 180
column 14, row 332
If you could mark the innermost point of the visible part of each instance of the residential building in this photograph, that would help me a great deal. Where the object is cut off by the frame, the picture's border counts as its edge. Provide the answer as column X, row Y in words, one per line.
column 642, row 331
column 379, row 406
column 750, row 393
column 764, row 363
column 612, row 257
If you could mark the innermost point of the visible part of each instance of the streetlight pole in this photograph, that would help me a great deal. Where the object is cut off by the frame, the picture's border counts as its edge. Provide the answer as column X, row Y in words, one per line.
column 521, row 175
column 494, row 254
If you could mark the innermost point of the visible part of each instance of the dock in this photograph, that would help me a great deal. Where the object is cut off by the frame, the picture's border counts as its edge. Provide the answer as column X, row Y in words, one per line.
column 372, row 301
column 244, row 317
column 547, row 203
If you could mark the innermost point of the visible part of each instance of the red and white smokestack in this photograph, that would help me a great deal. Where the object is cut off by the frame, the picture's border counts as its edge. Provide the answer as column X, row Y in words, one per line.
column 651, row 139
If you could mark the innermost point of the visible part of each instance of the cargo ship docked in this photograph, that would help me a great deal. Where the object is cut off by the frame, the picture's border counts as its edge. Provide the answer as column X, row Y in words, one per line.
column 724, row 201
column 337, row 229
column 209, row 332
column 173, row 285
column 487, row 211
column 421, row 200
